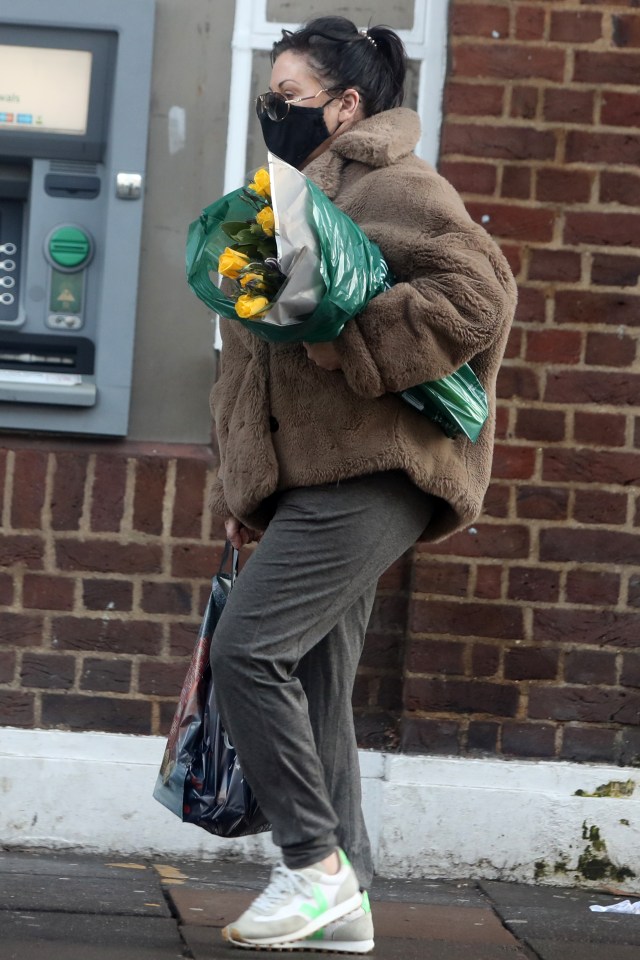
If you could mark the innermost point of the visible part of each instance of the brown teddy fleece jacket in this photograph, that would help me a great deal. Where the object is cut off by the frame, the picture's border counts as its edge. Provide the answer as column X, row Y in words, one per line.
column 283, row 422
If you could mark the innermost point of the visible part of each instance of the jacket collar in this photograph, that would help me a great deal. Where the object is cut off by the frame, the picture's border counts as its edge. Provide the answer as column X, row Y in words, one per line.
column 376, row 141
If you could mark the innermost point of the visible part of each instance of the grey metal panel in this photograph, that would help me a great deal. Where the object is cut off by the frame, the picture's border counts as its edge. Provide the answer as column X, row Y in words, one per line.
column 174, row 358
column 114, row 224
column 396, row 13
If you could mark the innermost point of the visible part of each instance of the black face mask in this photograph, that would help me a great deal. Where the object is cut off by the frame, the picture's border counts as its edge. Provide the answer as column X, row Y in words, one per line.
column 297, row 136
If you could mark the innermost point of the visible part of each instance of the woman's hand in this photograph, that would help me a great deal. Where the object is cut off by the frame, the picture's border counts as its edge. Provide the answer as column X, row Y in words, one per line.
column 238, row 535
column 324, row 355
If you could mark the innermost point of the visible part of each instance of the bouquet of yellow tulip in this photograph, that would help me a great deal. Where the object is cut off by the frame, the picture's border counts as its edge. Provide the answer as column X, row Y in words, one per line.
column 286, row 261
column 251, row 258
column 298, row 268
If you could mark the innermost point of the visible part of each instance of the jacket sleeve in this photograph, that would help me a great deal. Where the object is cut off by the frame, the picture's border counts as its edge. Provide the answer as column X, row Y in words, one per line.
column 454, row 294
column 233, row 361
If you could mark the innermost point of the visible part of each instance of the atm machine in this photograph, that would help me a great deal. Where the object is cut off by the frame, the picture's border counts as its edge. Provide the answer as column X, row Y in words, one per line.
column 75, row 80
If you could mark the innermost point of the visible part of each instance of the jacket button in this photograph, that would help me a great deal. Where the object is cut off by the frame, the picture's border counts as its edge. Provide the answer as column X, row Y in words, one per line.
column 273, row 424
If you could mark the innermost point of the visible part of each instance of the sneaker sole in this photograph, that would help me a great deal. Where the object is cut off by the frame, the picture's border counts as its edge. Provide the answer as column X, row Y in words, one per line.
column 310, row 946
column 232, row 935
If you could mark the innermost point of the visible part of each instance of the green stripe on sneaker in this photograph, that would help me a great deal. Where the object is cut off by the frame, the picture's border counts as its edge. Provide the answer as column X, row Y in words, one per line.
column 318, row 935
column 321, row 904
column 366, row 906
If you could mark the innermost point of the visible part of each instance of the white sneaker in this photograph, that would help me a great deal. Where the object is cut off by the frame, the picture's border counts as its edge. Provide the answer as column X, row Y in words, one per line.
column 351, row 934
column 296, row 904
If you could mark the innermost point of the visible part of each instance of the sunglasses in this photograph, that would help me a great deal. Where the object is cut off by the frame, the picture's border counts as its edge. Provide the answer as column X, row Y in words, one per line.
column 276, row 107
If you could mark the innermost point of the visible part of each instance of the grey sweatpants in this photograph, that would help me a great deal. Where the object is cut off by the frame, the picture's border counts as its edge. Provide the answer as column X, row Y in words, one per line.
column 286, row 649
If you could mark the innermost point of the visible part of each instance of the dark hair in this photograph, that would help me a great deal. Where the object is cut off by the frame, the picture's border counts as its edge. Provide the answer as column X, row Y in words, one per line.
column 374, row 63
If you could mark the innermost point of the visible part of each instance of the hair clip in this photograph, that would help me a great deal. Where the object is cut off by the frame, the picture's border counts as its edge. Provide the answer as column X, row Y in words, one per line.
column 365, row 34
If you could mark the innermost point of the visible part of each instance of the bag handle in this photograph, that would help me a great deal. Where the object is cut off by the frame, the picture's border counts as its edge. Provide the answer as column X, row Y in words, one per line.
column 235, row 558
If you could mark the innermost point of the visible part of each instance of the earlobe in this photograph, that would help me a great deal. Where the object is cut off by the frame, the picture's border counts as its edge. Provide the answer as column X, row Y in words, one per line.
column 350, row 103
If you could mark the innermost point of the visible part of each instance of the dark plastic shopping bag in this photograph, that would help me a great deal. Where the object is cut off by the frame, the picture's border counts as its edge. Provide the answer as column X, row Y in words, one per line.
column 200, row 778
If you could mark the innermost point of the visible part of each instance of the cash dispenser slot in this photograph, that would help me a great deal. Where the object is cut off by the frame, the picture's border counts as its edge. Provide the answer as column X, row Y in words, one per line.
column 47, row 369
column 71, row 188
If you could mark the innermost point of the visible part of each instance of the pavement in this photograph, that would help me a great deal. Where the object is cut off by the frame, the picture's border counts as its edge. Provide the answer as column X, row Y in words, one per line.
column 75, row 907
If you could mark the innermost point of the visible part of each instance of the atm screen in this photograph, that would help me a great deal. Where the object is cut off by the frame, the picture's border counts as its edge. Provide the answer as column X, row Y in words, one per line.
column 44, row 90
column 56, row 85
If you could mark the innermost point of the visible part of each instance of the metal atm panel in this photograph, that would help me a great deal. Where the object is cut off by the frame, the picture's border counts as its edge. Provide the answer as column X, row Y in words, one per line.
column 74, row 108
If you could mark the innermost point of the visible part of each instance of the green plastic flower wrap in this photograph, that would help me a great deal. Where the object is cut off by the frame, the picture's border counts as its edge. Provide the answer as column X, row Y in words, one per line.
column 329, row 272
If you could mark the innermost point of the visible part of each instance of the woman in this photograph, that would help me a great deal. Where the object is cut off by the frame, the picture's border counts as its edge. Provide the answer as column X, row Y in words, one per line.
column 342, row 475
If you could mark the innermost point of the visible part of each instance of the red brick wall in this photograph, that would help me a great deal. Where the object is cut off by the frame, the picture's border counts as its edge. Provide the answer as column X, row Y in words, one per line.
column 519, row 636
column 525, row 630
column 105, row 558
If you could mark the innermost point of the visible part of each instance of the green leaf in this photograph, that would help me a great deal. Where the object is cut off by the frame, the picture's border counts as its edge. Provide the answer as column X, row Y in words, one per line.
column 232, row 227
column 267, row 248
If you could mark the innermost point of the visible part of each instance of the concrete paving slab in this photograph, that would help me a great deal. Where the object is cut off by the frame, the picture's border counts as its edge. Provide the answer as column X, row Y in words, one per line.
column 199, row 906
column 206, row 943
column 224, row 874
column 520, row 894
column 256, row 876
column 51, row 864
column 576, row 925
column 58, row 936
column 134, row 896
column 444, row 892
column 469, row 925
column 203, row 907
column 552, row 950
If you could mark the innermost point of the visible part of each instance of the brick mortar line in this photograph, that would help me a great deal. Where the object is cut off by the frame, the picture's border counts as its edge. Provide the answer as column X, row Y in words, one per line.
column 137, row 538
column 525, row 605
column 633, row 332
column 604, row 44
column 508, row 121
column 562, row 286
column 539, row 83
column 84, row 522
column 423, row 596
column 8, row 489
column 535, row 165
column 168, row 506
column 126, row 521
column 48, row 534
column 507, row 564
column 528, row 203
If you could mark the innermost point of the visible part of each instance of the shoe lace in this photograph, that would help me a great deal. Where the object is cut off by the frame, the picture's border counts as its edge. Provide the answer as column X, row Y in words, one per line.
column 283, row 883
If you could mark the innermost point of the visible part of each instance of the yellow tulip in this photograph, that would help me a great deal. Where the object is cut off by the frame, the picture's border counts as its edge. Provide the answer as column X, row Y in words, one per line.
column 261, row 183
column 248, row 306
column 267, row 221
column 231, row 262
column 255, row 278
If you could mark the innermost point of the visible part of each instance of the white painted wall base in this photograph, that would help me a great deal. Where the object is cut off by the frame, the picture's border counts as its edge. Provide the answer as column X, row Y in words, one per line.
column 427, row 816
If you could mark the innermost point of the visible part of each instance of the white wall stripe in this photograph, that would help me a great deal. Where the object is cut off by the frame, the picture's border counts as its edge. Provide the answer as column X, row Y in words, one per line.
column 427, row 816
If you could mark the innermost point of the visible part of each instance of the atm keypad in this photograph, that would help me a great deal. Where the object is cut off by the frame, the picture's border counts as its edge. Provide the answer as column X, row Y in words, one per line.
column 10, row 233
